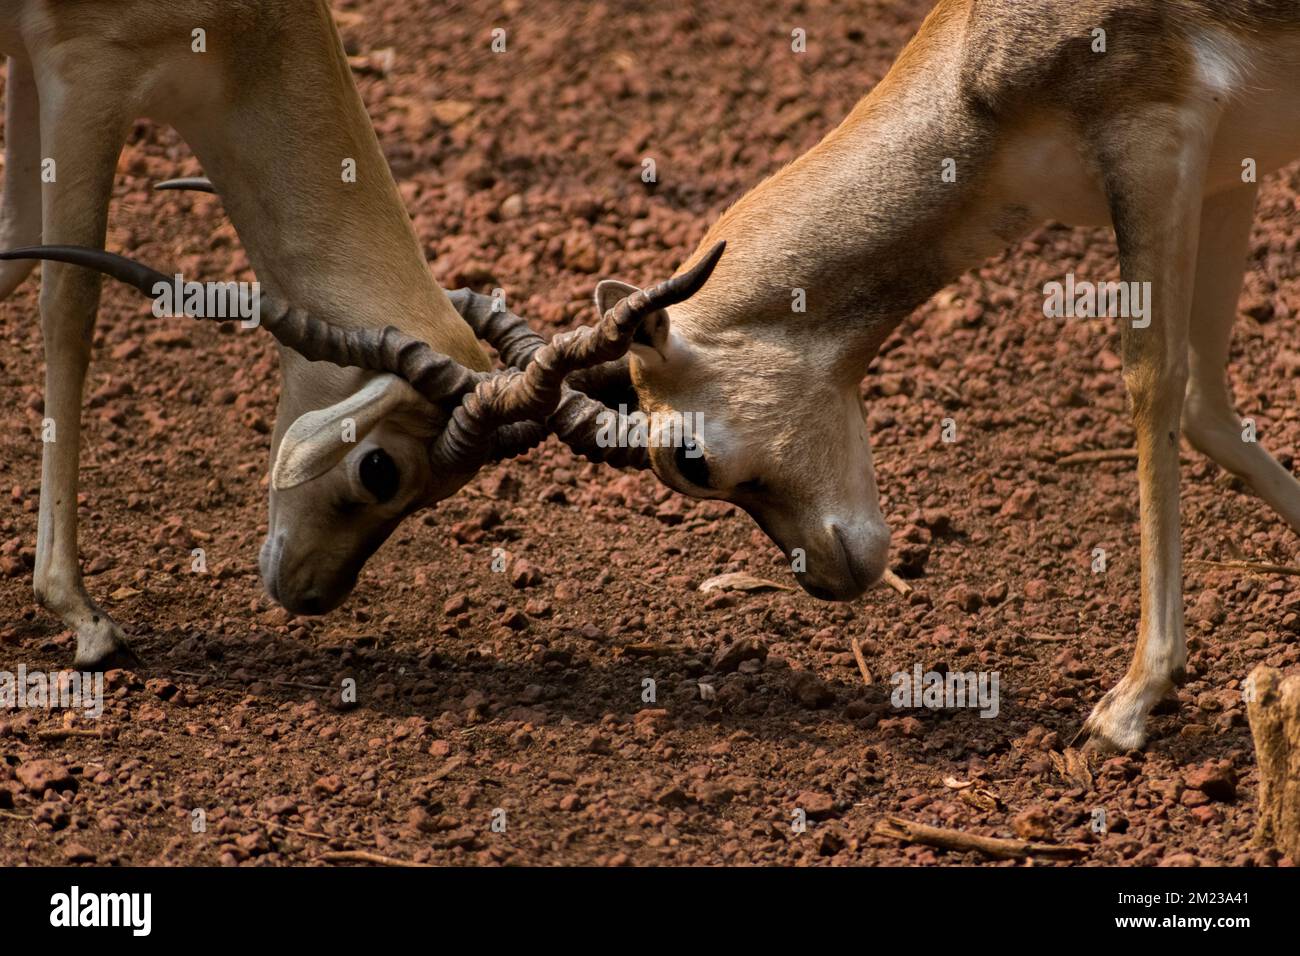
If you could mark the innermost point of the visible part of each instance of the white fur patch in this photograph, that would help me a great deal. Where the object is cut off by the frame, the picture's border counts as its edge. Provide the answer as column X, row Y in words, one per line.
column 1220, row 61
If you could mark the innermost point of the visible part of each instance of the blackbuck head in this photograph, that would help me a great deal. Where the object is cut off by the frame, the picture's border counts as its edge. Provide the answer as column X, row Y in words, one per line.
column 781, row 426
column 418, row 426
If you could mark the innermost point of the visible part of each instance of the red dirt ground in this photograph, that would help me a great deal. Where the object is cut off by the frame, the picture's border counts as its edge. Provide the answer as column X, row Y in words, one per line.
column 523, row 690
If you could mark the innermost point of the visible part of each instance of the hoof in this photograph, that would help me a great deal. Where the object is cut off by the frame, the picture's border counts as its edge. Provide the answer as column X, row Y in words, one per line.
column 1095, row 742
column 118, row 655
column 1098, row 744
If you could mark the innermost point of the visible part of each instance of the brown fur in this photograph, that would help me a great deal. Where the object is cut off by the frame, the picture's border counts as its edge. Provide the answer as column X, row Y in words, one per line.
column 271, row 111
column 1148, row 136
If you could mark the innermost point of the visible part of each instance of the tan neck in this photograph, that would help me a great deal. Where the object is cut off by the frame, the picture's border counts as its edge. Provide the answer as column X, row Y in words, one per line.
column 286, row 123
column 865, row 222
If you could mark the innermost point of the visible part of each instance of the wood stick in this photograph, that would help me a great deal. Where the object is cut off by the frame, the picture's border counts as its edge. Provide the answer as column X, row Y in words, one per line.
column 1258, row 567
column 862, row 664
column 365, row 856
column 1273, row 706
column 290, row 683
column 951, row 392
column 379, row 62
column 1039, row 636
column 216, row 675
column 281, row 826
column 650, row 649
column 897, row 583
column 996, row 847
column 1105, row 454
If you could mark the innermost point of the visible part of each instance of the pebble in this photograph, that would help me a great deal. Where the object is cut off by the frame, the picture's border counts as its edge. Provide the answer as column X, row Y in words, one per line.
column 815, row 804
column 1034, row 823
column 1216, row 780
column 729, row 658
column 78, row 853
column 808, row 689
column 41, row 775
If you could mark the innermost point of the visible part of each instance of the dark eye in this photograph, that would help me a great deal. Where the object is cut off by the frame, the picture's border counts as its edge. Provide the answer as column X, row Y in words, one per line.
column 692, row 465
column 379, row 475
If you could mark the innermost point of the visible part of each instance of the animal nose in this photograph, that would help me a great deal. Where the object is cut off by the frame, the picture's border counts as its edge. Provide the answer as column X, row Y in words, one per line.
column 268, row 564
column 825, row 594
column 310, row 605
column 864, row 552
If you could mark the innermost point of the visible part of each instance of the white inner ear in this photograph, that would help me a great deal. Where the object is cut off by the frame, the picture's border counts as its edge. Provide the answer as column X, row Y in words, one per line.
column 318, row 440
column 610, row 292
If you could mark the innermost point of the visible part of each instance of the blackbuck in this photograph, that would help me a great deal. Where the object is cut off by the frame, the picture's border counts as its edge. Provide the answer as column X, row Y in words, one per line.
column 999, row 115
column 262, row 93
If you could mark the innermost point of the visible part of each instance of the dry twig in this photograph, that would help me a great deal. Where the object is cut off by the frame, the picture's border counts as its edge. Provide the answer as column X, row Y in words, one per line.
column 289, row 829
column 1104, row 454
column 1256, row 567
column 897, row 583
column 216, row 675
column 365, row 856
column 997, row 847
column 862, row 663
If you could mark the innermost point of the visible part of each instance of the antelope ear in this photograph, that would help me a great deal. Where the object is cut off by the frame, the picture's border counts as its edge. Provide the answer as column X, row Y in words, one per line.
column 652, row 336
column 318, row 440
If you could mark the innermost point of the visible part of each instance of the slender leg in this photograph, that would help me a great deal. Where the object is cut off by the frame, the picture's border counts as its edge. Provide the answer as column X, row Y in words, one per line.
column 20, row 207
column 82, row 133
column 1154, row 163
column 1208, row 417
